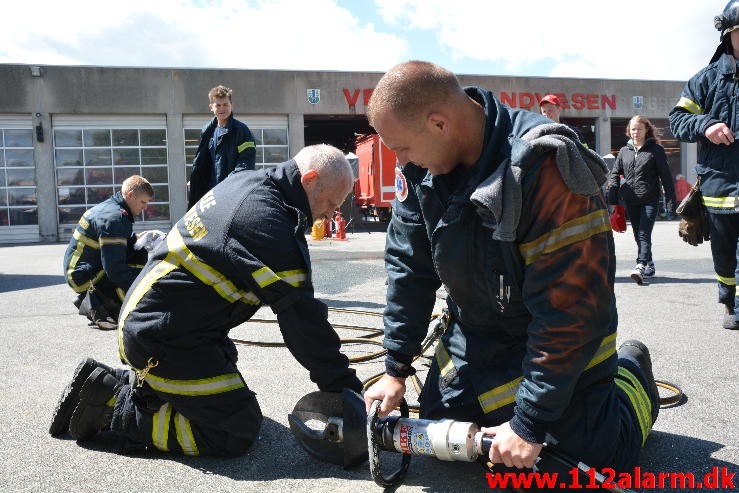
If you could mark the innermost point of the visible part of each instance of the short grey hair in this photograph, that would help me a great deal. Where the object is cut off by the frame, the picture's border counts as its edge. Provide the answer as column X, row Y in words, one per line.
column 330, row 163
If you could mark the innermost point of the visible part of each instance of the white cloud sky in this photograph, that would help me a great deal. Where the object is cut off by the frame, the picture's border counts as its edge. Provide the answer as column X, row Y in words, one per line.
column 627, row 39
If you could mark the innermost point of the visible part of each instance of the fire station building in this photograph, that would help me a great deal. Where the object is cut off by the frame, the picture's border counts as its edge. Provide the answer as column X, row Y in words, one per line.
column 69, row 136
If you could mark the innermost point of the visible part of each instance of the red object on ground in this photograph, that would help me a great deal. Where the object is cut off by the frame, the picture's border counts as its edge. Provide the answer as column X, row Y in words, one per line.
column 340, row 226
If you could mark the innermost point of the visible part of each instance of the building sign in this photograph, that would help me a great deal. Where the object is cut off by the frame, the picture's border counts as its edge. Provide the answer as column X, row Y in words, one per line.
column 314, row 96
column 352, row 96
column 575, row 101
column 638, row 102
column 525, row 100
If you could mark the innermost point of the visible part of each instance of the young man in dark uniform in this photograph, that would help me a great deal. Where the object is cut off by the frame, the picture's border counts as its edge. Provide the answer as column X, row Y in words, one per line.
column 226, row 145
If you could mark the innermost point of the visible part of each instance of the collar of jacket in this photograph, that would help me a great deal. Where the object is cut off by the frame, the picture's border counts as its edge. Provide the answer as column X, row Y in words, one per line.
column 118, row 199
column 502, row 126
column 210, row 127
column 727, row 64
column 287, row 177
column 630, row 143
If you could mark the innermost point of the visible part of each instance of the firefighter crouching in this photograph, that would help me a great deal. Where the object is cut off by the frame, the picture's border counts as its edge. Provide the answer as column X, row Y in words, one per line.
column 241, row 246
column 100, row 262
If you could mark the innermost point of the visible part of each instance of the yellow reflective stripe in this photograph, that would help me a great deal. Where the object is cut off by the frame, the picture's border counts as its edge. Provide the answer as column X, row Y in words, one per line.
column 720, row 202
column 639, row 399
column 85, row 239
column 690, row 105
column 296, row 277
column 84, row 286
column 729, row 281
column 567, row 234
column 207, row 274
column 160, row 270
column 184, row 435
column 264, row 276
column 84, row 222
column 111, row 401
column 109, row 240
column 121, row 294
column 160, row 427
column 443, row 359
column 245, row 145
column 606, row 349
column 499, row 396
column 203, row 386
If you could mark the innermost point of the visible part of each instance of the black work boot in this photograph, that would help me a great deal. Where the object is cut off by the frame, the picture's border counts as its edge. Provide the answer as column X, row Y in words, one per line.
column 636, row 351
column 71, row 395
column 95, row 408
column 729, row 321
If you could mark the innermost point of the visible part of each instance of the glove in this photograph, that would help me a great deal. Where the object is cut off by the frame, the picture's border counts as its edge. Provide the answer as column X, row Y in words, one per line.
column 618, row 219
column 692, row 231
column 150, row 240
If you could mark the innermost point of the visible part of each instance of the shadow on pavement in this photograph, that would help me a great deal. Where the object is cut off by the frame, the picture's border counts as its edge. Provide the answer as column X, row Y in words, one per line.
column 668, row 452
column 377, row 307
column 667, row 280
column 17, row 282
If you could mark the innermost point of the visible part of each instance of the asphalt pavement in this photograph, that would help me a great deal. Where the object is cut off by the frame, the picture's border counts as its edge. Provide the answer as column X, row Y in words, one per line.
column 43, row 339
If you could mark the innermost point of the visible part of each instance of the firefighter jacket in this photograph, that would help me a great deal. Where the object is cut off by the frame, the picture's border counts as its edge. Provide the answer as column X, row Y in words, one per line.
column 643, row 170
column 533, row 320
column 102, row 242
column 712, row 96
column 235, row 151
column 240, row 247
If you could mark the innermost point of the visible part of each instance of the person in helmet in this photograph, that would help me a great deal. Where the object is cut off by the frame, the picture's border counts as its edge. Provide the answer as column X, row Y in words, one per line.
column 708, row 113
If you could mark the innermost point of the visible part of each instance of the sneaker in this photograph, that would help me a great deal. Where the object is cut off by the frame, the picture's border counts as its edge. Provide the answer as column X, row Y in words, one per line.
column 638, row 352
column 649, row 270
column 729, row 321
column 95, row 408
column 71, row 394
column 638, row 274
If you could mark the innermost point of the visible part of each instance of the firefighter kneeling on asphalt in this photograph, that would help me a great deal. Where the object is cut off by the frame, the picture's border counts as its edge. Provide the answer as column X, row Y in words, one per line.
column 241, row 246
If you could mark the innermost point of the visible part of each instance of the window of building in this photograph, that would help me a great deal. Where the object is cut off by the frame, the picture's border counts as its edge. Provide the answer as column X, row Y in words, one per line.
column 92, row 162
column 17, row 178
column 586, row 127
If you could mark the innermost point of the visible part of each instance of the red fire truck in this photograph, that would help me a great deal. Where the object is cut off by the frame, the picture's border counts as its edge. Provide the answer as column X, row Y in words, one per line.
column 374, row 189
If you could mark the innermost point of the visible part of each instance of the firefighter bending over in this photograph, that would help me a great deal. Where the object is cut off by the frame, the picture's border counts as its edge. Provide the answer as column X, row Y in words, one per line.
column 521, row 241
column 241, row 246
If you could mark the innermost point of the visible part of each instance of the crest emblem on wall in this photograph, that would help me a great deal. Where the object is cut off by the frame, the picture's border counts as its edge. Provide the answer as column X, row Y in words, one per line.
column 314, row 96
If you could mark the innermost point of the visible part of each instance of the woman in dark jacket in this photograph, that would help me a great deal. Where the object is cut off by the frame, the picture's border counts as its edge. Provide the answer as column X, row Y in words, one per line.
column 643, row 164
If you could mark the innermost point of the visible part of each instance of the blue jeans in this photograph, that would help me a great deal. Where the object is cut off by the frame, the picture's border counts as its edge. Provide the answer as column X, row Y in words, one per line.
column 642, row 219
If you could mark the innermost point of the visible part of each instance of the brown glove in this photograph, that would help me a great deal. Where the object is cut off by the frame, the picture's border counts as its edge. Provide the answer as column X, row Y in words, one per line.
column 688, row 231
column 693, row 231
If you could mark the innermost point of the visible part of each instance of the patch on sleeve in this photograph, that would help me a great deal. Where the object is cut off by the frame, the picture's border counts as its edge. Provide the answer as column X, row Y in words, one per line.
column 401, row 186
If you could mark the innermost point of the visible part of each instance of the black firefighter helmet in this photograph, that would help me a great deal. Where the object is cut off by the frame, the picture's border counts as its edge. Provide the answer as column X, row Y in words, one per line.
column 728, row 18
column 725, row 22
